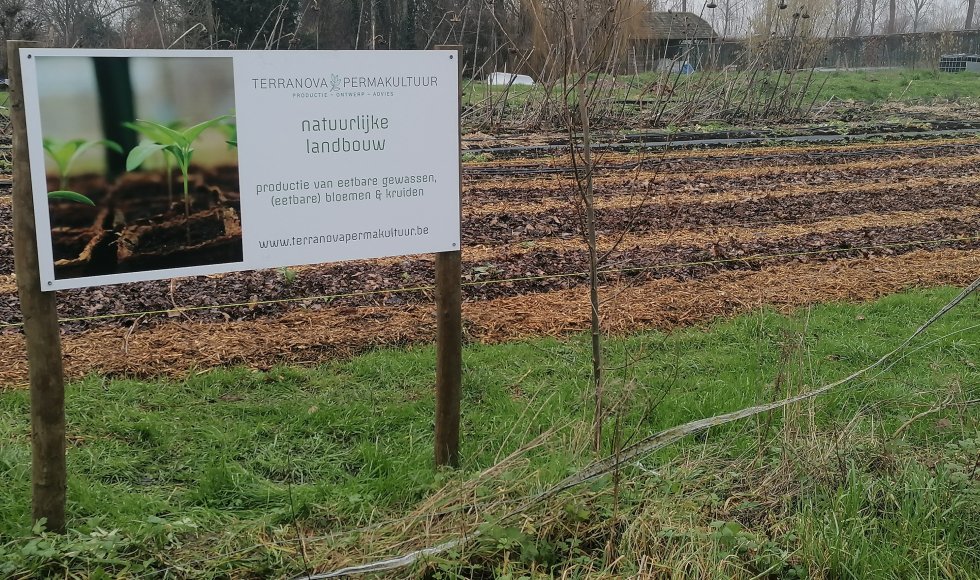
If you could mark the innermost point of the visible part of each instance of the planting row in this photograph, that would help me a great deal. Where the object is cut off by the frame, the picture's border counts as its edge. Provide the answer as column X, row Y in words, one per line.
column 826, row 214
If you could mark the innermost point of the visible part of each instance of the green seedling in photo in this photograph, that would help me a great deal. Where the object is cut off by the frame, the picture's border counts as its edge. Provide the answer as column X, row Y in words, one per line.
column 177, row 143
column 231, row 133
column 64, row 154
column 152, row 134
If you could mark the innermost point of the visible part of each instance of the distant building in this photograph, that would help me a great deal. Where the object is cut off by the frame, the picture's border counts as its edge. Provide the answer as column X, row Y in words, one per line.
column 672, row 37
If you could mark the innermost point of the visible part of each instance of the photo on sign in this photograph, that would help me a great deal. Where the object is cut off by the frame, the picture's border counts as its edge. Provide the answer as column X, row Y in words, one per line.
column 141, row 163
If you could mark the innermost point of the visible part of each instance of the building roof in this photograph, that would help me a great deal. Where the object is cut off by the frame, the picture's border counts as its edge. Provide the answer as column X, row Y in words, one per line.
column 677, row 25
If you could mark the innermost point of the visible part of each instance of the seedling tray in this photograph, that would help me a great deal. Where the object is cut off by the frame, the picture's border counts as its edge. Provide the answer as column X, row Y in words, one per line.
column 83, row 251
column 142, row 197
column 71, row 214
column 212, row 236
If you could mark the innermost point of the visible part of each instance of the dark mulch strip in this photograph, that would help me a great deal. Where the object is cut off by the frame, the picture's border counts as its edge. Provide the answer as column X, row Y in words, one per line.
column 665, row 183
column 662, row 214
column 746, row 158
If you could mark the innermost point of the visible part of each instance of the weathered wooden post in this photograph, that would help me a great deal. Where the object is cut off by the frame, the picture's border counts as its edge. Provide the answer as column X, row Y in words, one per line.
column 449, row 346
column 48, row 476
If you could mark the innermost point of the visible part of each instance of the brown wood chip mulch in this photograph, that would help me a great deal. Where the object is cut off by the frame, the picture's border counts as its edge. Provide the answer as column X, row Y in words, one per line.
column 179, row 347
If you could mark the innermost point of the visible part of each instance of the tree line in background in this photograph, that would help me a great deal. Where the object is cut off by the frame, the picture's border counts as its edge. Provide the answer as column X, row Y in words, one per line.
column 411, row 24
column 834, row 18
column 495, row 34
column 483, row 26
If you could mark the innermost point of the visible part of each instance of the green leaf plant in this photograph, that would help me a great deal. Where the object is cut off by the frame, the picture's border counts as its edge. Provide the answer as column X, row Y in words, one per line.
column 177, row 143
column 231, row 133
column 151, row 133
column 64, row 154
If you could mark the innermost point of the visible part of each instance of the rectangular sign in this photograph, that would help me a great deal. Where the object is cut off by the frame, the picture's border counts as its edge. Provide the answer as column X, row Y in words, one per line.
column 156, row 164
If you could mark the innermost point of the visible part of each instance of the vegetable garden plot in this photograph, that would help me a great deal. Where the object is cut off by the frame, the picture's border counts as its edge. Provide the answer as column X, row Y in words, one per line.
column 806, row 212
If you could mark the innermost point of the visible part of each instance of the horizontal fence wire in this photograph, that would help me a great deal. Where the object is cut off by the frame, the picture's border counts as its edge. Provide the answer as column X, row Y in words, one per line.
column 493, row 281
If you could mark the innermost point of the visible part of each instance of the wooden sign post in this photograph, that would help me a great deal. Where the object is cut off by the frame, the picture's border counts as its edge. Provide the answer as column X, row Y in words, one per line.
column 48, row 477
column 43, row 335
column 449, row 347
column 449, row 357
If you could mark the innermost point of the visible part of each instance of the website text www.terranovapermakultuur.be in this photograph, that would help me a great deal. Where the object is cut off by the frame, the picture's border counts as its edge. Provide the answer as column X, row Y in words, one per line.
column 343, row 238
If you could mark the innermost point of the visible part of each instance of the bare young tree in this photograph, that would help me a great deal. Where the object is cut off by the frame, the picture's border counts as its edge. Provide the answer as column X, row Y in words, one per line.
column 873, row 16
column 16, row 23
column 852, row 30
column 943, row 20
column 917, row 8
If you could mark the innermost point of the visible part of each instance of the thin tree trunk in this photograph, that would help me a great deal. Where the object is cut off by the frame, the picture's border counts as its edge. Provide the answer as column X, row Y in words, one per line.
column 892, row 11
column 374, row 24
column 858, row 8
column 593, row 261
column 838, row 6
column 587, row 193
column 970, row 6
column 728, row 18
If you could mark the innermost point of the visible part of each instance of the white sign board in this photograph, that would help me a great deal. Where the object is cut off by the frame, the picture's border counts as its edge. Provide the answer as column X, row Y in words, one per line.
column 226, row 161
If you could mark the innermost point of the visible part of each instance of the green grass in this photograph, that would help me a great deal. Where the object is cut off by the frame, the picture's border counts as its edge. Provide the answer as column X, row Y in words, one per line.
column 866, row 86
column 214, row 473
column 897, row 85
column 777, row 93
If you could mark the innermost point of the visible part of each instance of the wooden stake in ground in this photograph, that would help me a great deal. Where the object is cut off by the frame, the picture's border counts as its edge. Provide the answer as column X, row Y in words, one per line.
column 449, row 350
column 449, row 357
column 41, row 330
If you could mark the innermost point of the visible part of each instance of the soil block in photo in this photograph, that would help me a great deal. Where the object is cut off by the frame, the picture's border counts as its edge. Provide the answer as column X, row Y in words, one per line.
column 143, row 196
column 209, row 237
column 66, row 213
column 224, row 177
column 82, row 252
